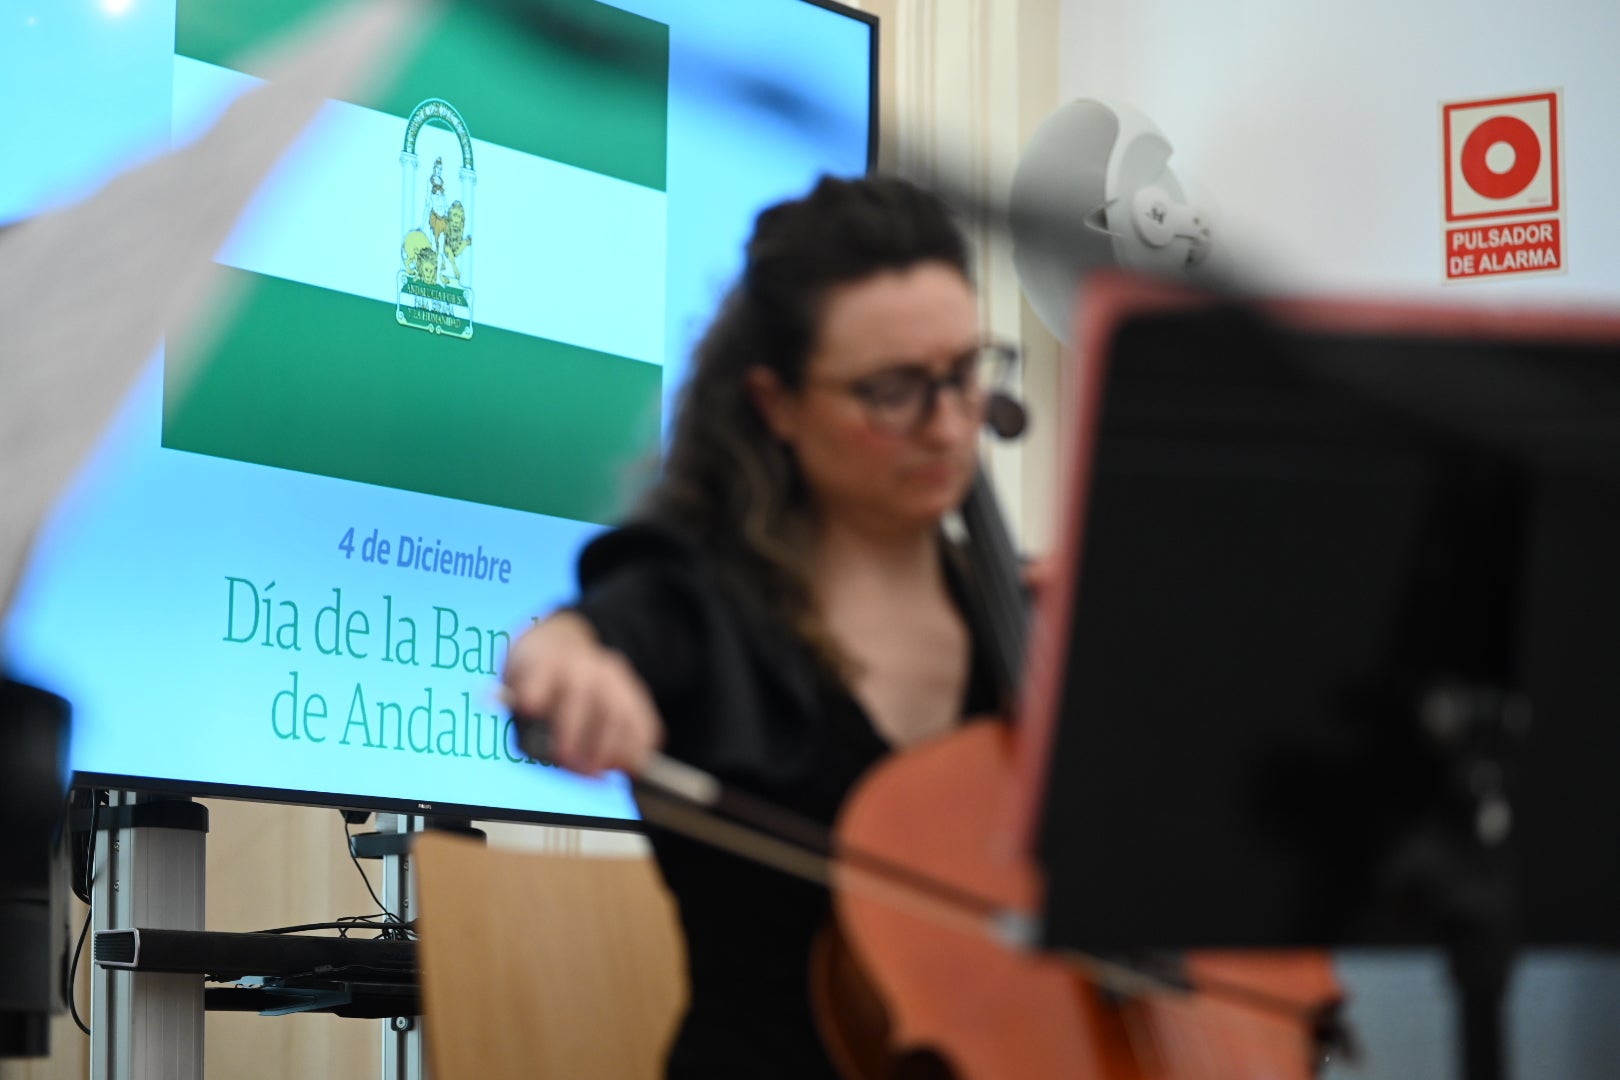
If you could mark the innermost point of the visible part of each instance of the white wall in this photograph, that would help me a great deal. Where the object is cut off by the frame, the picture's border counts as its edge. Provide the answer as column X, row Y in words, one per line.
column 1316, row 125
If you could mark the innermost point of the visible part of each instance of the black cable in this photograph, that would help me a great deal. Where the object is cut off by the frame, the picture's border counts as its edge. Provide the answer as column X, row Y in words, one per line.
column 90, row 848
column 72, row 982
column 329, row 971
column 76, row 843
column 348, row 837
column 73, row 973
column 345, row 924
column 395, row 930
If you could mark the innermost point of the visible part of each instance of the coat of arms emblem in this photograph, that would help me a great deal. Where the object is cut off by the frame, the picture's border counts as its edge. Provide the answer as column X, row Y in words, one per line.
column 435, row 290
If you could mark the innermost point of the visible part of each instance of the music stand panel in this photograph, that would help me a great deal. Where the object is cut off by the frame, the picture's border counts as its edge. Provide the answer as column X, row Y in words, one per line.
column 1300, row 523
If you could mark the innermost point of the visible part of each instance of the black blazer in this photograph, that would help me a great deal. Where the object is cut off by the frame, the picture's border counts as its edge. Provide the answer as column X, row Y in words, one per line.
column 744, row 698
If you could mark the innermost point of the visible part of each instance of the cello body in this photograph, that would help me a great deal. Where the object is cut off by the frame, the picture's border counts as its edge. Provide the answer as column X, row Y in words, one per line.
column 995, row 1012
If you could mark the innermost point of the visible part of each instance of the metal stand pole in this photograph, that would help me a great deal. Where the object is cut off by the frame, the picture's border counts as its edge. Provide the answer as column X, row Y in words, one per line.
column 401, row 1035
column 149, row 872
column 1463, row 866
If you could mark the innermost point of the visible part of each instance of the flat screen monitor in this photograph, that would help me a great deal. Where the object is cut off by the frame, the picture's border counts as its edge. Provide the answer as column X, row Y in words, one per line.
column 464, row 300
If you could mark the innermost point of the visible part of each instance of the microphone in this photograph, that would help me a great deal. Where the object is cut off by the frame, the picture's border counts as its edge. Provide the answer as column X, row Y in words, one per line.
column 1005, row 415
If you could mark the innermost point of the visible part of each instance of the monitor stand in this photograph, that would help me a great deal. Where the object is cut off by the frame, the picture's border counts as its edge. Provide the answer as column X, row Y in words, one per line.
column 1455, row 867
column 402, row 1053
column 150, row 871
column 150, row 866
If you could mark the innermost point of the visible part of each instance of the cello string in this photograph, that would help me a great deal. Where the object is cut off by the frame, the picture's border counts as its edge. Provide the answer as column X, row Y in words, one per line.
column 1146, row 1046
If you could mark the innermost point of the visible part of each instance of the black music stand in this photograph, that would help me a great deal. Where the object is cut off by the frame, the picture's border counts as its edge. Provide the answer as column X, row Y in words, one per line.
column 1343, row 659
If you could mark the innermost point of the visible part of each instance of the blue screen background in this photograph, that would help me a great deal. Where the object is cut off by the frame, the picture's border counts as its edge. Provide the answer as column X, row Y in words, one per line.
column 123, row 609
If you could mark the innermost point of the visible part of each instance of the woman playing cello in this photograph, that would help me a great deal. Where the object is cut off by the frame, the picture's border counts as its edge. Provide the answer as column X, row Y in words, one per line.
column 783, row 611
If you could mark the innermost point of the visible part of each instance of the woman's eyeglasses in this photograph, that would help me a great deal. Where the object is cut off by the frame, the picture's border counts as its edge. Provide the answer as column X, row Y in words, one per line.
column 902, row 399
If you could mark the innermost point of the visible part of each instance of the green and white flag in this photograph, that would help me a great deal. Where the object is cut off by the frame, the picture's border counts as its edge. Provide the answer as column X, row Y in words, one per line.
column 456, row 285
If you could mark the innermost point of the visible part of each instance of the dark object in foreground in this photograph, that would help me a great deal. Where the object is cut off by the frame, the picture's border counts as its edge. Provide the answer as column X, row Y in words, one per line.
column 1338, row 658
column 33, row 742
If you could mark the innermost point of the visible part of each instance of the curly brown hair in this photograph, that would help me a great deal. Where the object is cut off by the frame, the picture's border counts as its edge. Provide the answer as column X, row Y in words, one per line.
column 726, row 480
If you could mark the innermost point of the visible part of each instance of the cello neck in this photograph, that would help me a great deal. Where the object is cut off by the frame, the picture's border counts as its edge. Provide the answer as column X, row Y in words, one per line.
column 997, row 575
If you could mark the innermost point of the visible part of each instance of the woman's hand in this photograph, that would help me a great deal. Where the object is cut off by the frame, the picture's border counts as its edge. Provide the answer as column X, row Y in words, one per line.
column 599, row 712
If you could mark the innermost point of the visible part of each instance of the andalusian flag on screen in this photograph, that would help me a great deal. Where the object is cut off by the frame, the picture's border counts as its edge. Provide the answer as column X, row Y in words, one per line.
column 455, row 286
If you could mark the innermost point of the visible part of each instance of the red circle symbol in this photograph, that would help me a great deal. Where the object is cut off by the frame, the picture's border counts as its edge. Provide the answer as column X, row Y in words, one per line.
column 1526, row 146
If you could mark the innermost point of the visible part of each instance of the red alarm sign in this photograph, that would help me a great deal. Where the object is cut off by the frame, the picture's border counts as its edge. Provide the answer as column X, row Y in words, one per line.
column 1503, row 168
